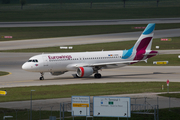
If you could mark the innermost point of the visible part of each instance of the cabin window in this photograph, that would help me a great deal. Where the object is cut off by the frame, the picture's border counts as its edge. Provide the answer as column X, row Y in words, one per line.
column 34, row 60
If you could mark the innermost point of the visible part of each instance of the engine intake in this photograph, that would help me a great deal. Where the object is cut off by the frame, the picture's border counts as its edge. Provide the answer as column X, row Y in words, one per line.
column 84, row 71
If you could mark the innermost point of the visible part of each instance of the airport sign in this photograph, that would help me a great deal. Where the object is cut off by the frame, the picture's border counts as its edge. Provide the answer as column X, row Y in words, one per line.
column 166, row 39
column 160, row 62
column 111, row 106
column 3, row 92
column 167, row 82
column 80, row 105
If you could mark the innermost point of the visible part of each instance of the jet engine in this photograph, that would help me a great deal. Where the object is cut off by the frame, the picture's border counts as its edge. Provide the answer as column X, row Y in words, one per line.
column 57, row 73
column 84, row 71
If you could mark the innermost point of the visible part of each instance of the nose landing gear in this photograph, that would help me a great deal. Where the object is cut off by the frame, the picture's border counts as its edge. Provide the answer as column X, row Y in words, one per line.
column 42, row 77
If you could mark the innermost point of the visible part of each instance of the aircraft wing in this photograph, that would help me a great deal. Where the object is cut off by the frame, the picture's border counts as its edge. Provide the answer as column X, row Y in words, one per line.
column 112, row 63
column 103, row 64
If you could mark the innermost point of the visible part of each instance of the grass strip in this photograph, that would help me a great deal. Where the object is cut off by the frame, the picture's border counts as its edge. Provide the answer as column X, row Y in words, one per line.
column 65, row 11
column 173, row 95
column 164, row 114
column 22, row 33
column 63, row 91
column 19, row 114
column 122, row 45
column 2, row 73
column 172, row 59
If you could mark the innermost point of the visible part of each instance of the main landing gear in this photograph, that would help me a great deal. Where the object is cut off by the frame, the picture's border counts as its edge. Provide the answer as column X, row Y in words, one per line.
column 97, row 75
column 42, row 77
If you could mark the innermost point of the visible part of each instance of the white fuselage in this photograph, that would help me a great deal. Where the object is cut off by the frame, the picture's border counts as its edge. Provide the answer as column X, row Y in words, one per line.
column 67, row 61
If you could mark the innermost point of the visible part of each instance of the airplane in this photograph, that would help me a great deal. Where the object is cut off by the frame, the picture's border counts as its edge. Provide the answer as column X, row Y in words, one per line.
column 87, row 63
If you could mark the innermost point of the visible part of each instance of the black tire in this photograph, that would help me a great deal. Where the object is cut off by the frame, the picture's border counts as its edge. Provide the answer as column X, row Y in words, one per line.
column 41, row 78
column 97, row 75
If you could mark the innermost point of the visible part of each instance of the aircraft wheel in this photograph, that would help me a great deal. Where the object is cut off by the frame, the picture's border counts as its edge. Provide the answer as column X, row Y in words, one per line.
column 97, row 75
column 41, row 78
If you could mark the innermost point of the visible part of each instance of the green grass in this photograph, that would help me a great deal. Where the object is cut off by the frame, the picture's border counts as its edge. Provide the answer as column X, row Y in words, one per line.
column 25, row 114
column 82, row 11
column 2, row 73
column 64, row 31
column 173, row 95
column 122, row 45
column 166, row 45
column 172, row 58
column 63, row 91
column 164, row 114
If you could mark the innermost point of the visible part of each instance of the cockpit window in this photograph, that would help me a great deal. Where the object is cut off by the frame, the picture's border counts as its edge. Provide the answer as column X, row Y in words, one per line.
column 34, row 60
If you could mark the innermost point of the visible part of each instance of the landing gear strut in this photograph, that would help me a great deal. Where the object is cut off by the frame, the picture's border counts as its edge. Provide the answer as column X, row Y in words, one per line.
column 97, row 75
column 42, row 77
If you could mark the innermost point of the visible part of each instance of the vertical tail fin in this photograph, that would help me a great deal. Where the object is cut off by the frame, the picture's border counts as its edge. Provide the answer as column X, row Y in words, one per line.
column 144, row 43
column 145, row 40
column 142, row 48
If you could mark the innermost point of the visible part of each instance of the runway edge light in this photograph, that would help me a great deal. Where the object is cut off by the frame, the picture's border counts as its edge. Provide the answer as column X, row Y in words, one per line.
column 3, row 92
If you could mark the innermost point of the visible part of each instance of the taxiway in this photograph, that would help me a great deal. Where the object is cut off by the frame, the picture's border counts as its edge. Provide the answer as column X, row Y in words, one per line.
column 12, row 63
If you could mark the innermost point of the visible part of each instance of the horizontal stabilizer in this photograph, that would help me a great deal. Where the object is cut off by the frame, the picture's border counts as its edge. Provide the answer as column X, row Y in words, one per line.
column 151, row 54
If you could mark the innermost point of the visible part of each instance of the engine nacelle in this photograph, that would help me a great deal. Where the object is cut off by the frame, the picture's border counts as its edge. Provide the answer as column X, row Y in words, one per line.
column 84, row 71
column 57, row 73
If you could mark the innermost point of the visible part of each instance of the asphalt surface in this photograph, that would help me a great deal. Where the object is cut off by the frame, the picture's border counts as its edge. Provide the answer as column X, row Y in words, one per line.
column 88, row 39
column 89, row 22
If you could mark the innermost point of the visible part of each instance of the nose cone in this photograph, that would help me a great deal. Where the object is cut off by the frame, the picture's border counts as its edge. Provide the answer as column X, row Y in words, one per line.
column 26, row 67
